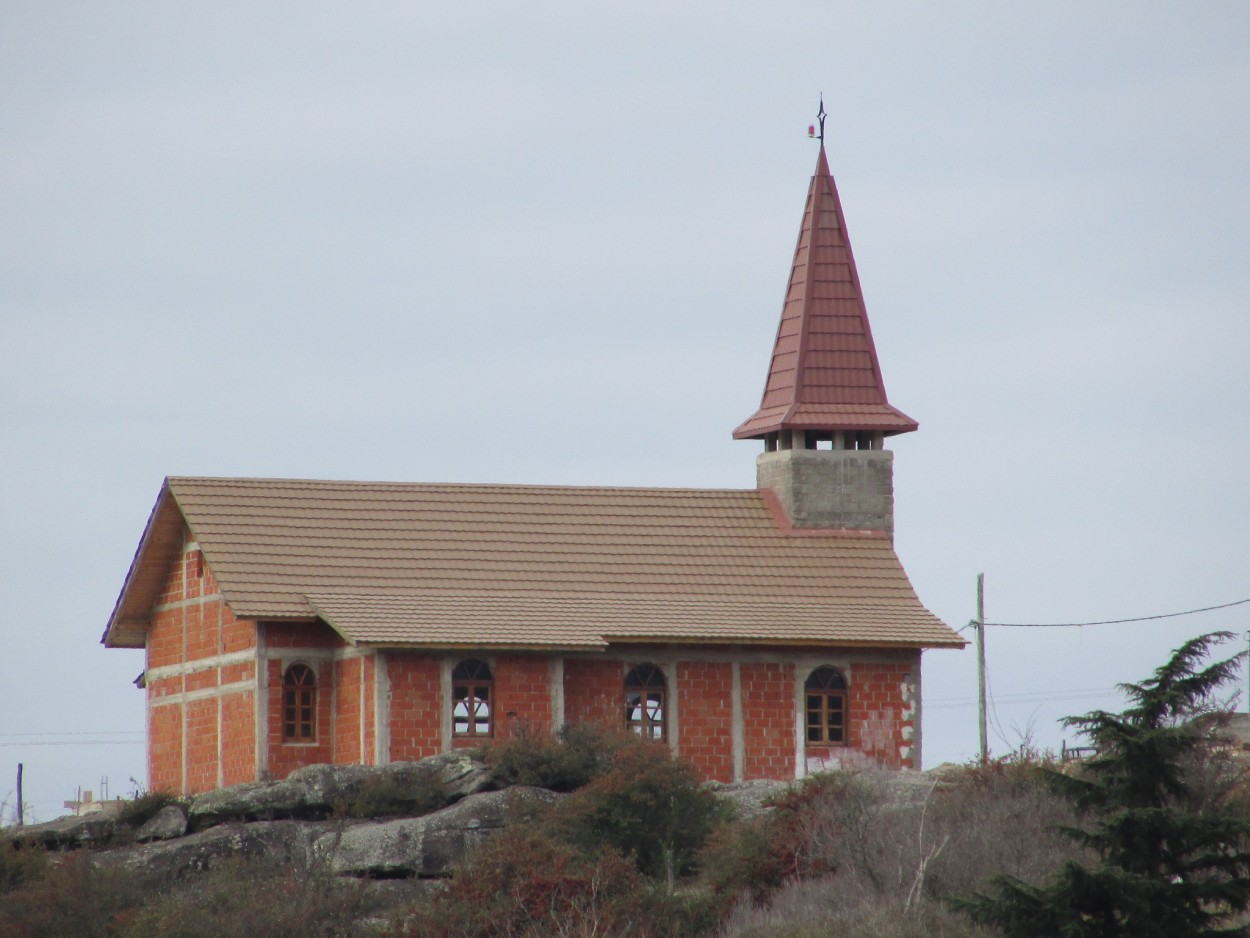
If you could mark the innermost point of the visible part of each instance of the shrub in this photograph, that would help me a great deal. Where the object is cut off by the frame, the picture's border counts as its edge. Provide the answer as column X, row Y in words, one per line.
column 565, row 762
column 756, row 857
column 245, row 898
column 525, row 883
column 73, row 896
column 648, row 806
column 20, row 866
column 390, row 796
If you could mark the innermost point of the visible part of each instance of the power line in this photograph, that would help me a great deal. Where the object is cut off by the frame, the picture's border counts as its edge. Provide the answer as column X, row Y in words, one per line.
column 72, row 742
column 74, row 733
column 1074, row 625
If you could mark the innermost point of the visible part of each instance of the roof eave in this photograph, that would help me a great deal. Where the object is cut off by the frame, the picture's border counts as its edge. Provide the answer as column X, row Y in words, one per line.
column 128, row 623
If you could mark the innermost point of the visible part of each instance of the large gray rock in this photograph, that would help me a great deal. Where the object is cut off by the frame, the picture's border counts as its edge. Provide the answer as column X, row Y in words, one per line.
column 251, row 801
column 331, row 788
column 167, row 823
column 66, row 832
column 284, row 842
column 317, row 791
column 426, row 846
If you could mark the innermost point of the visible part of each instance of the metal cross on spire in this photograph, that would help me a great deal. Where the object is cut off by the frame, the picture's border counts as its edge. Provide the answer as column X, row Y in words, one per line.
column 820, row 117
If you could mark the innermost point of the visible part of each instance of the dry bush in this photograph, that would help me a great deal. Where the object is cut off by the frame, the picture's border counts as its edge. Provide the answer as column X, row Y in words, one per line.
column 1001, row 818
column 246, row 898
column 72, row 895
column 875, row 853
column 523, row 883
column 832, row 907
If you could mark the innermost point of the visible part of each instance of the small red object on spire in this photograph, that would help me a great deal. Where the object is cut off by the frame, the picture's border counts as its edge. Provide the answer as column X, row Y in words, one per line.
column 811, row 130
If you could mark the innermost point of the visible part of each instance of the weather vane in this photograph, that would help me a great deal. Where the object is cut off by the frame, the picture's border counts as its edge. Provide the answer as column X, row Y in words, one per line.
column 820, row 116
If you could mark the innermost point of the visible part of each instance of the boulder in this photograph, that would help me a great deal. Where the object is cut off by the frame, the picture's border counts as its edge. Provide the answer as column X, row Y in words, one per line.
column 317, row 791
column 251, row 801
column 328, row 788
column 282, row 842
column 70, row 831
column 428, row 846
column 167, row 823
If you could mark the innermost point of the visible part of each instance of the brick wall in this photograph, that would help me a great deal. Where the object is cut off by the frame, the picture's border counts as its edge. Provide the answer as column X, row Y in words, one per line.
column 768, row 720
column 706, row 714
column 522, row 694
column 882, row 712
column 416, row 706
column 201, row 707
column 594, row 692
column 286, row 757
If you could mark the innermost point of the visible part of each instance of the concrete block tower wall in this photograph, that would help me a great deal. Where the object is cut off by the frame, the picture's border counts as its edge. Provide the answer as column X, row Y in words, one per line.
column 200, row 678
column 843, row 489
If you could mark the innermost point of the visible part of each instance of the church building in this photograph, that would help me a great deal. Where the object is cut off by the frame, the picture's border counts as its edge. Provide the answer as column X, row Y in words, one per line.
column 761, row 633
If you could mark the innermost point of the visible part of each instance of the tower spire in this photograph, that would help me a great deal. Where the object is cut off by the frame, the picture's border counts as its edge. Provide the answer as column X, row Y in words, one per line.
column 824, row 380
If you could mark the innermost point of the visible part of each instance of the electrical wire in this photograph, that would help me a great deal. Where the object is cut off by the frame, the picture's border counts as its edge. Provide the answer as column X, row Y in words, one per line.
column 1075, row 625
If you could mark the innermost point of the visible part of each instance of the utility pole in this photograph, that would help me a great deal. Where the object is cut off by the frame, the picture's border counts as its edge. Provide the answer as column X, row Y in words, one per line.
column 985, row 748
column 20, row 819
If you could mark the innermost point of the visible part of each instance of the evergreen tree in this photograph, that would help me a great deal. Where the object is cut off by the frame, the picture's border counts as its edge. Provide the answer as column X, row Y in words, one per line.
column 1171, row 853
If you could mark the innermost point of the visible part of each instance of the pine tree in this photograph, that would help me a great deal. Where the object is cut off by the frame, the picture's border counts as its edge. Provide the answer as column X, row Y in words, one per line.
column 1172, row 854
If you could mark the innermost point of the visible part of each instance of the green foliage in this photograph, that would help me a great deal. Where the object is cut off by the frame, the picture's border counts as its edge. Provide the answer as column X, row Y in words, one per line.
column 648, row 806
column 390, row 796
column 1171, row 856
column 565, row 762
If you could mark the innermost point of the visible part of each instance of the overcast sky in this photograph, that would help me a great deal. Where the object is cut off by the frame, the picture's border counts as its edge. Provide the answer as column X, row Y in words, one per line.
column 548, row 243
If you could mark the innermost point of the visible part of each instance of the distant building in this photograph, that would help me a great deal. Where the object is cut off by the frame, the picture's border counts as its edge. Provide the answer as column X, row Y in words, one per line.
column 763, row 633
column 85, row 803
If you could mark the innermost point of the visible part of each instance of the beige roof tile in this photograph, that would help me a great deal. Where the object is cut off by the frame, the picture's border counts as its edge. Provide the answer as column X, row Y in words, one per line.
column 529, row 566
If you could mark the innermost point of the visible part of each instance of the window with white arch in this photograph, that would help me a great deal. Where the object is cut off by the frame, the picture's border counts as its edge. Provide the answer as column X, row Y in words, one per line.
column 644, row 701
column 471, row 686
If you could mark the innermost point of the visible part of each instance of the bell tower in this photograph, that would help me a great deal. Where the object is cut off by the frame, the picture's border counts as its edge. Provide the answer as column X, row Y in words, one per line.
column 824, row 415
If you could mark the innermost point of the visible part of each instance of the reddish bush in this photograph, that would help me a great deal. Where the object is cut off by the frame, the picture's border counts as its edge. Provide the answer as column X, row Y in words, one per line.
column 523, row 883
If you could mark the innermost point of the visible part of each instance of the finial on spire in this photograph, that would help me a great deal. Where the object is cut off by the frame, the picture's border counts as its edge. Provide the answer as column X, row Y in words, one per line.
column 820, row 116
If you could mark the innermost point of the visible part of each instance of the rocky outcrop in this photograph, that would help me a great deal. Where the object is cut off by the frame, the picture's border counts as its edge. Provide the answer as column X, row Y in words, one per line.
column 287, row 842
column 317, row 791
column 69, row 832
column 428, row 846
column 425, row 847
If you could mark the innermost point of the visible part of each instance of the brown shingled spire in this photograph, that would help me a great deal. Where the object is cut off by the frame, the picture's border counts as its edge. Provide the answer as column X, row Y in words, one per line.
column 824, row 382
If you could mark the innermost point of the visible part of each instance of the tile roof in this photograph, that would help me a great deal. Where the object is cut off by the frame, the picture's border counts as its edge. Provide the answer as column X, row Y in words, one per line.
column 401, row 564
column 824, row 373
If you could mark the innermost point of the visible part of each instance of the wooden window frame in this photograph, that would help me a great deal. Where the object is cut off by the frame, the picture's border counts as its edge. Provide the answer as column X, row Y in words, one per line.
column 473, row 686
column 299, row 704
column 646, row 702
column 826, row 706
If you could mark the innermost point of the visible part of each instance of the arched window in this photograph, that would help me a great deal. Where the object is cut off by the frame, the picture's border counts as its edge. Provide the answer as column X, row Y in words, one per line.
column 826, row 708
column 644, row 701
column 299, row 705
column 471, row 698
